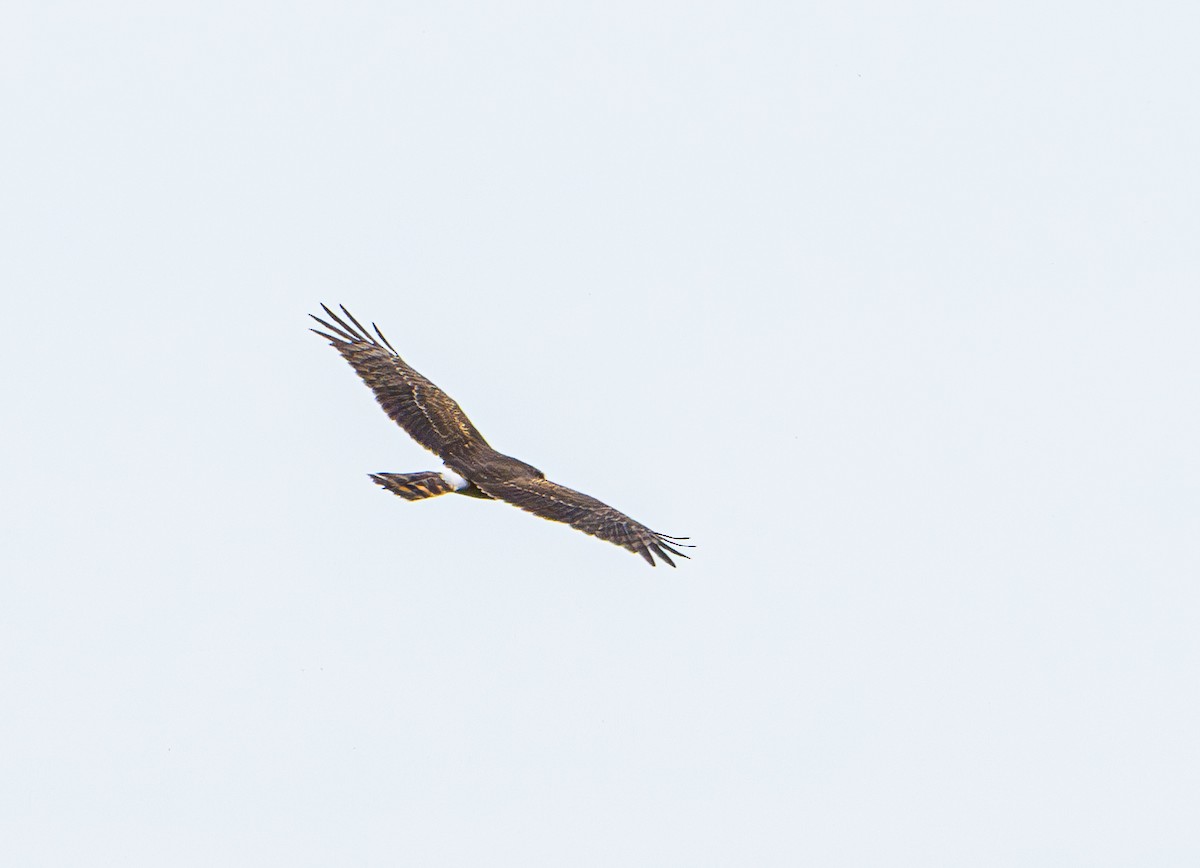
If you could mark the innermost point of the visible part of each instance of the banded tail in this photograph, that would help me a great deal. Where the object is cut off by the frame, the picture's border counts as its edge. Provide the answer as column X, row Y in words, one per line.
column 415, row 486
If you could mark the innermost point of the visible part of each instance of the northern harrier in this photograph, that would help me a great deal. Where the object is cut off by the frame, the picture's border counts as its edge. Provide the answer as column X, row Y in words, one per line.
column 472, row 467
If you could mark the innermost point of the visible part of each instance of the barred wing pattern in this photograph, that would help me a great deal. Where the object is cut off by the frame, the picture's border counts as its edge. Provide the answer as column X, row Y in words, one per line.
column 429, row 415
column 559, row 503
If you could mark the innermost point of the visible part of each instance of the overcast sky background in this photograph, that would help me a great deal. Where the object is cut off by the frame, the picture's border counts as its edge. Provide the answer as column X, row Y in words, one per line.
column 893, row 308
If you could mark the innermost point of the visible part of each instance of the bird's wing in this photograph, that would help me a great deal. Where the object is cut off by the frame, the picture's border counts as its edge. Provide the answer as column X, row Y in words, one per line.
column 429, row 415
column 559, row 503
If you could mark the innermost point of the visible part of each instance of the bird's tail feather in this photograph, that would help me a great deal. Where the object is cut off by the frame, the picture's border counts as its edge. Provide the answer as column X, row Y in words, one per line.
column 414, row 486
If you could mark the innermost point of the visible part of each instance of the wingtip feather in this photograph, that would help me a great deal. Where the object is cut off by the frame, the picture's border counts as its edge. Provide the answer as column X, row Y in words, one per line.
column 366, row 334
column 658, row 550
column 329, row 338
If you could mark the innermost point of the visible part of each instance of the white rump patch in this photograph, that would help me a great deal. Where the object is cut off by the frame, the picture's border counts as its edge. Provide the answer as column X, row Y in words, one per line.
column 454, row 480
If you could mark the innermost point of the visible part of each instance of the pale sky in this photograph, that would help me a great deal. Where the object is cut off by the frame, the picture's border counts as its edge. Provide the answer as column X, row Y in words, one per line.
column 892, row 308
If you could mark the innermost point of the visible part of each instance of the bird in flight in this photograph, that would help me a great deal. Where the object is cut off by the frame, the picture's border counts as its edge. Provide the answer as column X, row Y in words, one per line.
column 471, row 466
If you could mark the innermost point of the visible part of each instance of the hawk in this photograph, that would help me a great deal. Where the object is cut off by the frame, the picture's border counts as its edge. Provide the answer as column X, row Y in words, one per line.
column 471, row 466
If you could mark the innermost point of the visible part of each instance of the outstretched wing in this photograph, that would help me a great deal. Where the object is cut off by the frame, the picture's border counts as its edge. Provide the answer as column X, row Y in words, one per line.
column 559, row 503
column 429, row 415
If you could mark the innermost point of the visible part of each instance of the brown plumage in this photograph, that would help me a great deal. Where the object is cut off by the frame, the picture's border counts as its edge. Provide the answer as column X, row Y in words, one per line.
column 433, row 419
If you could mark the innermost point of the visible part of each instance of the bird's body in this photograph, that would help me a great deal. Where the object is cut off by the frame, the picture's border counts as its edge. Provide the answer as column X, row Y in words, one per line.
column 472, row 467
